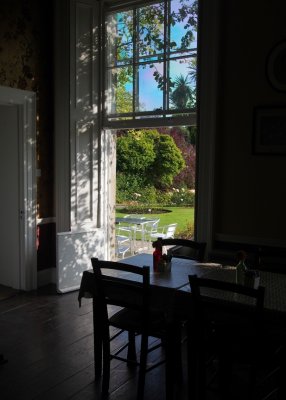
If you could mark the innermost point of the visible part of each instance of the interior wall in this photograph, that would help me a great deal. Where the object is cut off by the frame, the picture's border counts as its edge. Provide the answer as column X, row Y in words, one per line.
column 26, row 62
column 250, row 191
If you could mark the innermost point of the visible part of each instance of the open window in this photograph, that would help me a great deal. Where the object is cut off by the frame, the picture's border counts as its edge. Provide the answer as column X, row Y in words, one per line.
column 149, row 77
column 150, row 63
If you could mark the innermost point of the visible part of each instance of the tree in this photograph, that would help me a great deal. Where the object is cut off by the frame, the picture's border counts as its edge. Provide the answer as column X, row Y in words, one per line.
column 150, row 157
column 182, row 96
column 135, row 154
column 123, row 100
column 149, row 39
column 186, row 177
column 168, row 163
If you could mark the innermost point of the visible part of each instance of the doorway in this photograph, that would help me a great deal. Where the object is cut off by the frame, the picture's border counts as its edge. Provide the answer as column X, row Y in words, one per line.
column 18, row 267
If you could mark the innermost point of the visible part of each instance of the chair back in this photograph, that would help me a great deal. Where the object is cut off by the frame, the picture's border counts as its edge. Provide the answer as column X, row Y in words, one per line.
column 234, row 310
column 170, row 231
column 185, row 248
column 122, row 245
column 151, row 227
column 120, row 284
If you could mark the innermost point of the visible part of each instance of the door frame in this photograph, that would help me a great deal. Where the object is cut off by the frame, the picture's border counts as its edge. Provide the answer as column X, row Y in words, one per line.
column 25, row 101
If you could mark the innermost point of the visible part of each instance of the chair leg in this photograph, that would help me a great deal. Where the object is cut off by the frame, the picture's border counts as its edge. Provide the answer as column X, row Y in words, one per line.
column 173, row 361
column 251, row 383
column 224, row 374
column 106, row 366
column 196, row 365
column 97, row 346
column 131, row 353
column 142, row 367
column 282, row 374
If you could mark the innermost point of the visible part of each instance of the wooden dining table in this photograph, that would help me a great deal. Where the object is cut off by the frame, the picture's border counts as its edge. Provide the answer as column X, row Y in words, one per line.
column 176, row 280
column 170, row 292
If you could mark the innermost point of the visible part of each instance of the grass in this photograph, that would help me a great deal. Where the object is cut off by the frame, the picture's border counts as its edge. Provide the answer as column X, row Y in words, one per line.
column 182, row 215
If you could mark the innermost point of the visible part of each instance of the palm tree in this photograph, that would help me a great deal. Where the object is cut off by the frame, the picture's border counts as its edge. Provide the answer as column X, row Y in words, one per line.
column 193, row 70
column 182, row 96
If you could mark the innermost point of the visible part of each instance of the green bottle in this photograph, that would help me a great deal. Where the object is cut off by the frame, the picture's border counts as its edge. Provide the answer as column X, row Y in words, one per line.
column 241, row 267
column 240, row 272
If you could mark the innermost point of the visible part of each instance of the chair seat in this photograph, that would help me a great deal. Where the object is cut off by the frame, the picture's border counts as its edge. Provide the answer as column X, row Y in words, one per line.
column 130, row 320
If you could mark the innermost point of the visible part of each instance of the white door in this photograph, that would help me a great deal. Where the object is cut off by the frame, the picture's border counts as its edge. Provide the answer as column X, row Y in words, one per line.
column 18, row 267
column 9, row 209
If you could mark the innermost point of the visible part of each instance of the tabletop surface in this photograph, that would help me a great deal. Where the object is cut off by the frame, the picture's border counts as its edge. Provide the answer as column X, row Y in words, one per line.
column 134, row 220
column 180, row 270
column 177, row 278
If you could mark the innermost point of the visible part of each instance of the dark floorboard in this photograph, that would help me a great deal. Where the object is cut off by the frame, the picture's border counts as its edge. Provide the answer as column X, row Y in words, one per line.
column 48, row 342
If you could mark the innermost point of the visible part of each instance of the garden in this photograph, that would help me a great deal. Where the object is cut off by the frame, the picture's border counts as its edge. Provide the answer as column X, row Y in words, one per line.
column 156, row 175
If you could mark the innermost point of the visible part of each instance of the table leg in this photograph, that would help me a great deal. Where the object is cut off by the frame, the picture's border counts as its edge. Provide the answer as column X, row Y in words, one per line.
column 97, row 343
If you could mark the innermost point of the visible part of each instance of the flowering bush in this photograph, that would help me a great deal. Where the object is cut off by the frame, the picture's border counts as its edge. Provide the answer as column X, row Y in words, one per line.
column 182, row 197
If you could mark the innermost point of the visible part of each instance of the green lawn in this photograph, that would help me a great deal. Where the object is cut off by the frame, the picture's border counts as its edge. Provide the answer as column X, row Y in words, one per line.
column 182, row 215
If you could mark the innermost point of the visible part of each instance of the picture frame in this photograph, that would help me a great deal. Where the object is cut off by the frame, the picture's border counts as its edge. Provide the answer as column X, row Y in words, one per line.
column 276, row 67
column 269, row 135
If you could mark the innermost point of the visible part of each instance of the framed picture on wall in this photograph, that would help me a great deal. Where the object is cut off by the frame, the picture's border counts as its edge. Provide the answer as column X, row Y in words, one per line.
column 269, row 135
column 276, row 67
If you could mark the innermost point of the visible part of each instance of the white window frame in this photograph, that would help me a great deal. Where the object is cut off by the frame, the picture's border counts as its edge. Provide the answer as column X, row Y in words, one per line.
column 164, row 118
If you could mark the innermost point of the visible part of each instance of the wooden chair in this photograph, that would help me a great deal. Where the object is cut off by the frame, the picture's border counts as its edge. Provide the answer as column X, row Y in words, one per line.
column 185, row 248
column 227, row 325
column 132, row 295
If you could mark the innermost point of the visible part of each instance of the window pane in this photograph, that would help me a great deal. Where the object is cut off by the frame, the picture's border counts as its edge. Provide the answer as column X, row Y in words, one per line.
column 120, row 90
column 150, row 96
column 119, row 38
column 182, row 87
column 151, row 30
column 151, row 60
column 183, row 25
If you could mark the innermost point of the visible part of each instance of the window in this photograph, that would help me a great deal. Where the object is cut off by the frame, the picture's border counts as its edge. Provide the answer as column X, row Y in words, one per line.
column 150, row 58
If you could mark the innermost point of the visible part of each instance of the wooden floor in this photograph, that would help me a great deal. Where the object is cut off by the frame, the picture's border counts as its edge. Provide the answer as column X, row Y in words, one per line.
column 48, row 342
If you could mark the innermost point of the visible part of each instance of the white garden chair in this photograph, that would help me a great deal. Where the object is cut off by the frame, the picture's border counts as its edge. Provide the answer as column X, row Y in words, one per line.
column 122, row 245
column 165, row 232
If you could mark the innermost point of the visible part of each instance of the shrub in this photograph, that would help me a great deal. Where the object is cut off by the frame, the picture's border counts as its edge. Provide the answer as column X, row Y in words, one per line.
column 133, row 190
column 150, row 154
column 187, row 232
column 182, row 197
column 164, row 198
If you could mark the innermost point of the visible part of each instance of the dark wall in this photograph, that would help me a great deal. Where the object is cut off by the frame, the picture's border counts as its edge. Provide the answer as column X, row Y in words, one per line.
column 26, row 62
column 250, row 190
